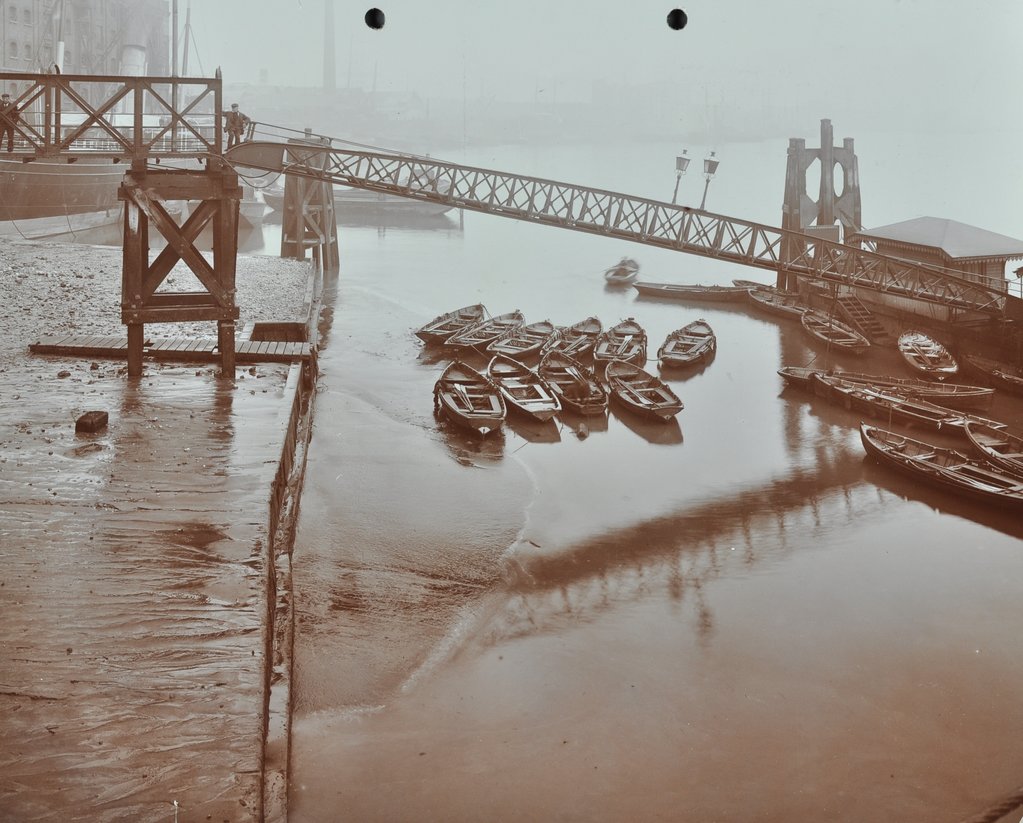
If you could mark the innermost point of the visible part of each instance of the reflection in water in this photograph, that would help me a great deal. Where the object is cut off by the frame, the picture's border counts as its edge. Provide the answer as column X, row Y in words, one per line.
column 942, row 500
column 678, row 554
column 668, row 433
column 468, row 447
column 583, row 425
column 533, row 431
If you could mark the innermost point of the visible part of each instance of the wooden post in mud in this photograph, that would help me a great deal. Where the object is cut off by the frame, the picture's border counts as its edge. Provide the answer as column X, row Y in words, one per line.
column 145, row 193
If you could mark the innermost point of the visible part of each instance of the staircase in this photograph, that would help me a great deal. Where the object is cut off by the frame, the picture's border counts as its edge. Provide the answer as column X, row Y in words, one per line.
column 863, row 321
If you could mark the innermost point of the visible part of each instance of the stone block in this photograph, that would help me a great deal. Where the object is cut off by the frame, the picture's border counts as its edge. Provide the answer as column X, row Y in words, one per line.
column 92, row 421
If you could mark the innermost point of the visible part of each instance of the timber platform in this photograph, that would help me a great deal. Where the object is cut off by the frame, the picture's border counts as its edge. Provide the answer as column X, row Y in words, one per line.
column 181, row 349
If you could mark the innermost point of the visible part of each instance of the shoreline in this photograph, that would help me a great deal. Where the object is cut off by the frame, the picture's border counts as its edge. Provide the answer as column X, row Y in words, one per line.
column 145, row 629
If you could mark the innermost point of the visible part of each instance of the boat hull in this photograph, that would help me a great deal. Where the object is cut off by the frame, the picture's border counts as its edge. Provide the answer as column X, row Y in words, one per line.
column 55, row 188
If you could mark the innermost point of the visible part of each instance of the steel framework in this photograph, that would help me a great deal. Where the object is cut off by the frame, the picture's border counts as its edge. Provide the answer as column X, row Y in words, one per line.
column 614, row 214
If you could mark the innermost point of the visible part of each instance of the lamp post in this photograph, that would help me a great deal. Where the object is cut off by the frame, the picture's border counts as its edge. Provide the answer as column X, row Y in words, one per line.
column 710, row 167
column 681, row 164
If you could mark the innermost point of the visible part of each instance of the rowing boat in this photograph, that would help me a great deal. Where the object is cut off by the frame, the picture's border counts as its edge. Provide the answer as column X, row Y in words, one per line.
column 883, row 404
column 674, row 291
column 468, row 398
column 574, row 384
column 833, row 333
column 525, row 341
column 997, row 446
column 523, row 389
column 926, row 355
column 780, row 303
column 624, row 341
column 945, row 468
column 577, row 340
column 692, row 344
column 445, row 325
column 1001, row 375
column 950, row 395
column 486, row 331
column 641, row 392
column 623, row 272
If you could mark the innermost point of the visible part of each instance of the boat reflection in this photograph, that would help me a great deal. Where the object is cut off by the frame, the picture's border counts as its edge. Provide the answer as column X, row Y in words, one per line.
column 469, row 448
column 533, row 431
column 583, row 425
column 668, row 433
column 677, row 372
column 942, row 500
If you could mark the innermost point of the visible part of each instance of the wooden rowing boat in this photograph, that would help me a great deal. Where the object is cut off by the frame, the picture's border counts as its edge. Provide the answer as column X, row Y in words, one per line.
column 469, row 399
column 623, row 272
column 945, row 468
column 486, row 331
column 525, row 341
column 445, row 325
column 692, row 344
column 950, row 395
column 523, row 389
column 997, row 446
column 672, row 291
column 1000, row 375
column 893, row 407
column 753, row 284
column 577, row 340
column 926, row 355
column 641, row 392
column 779, row 303
column 624, row 341
column 574, row 384
column 833, row 333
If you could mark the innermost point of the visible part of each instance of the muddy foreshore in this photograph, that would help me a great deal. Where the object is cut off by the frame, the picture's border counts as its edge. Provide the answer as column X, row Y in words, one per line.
column 137, row 561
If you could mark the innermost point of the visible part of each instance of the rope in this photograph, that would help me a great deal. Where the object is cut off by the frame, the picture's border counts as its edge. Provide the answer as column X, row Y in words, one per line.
column 999, row 810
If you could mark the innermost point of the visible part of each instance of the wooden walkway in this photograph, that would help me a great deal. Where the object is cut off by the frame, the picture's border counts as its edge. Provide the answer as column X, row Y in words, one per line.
column 190, row 349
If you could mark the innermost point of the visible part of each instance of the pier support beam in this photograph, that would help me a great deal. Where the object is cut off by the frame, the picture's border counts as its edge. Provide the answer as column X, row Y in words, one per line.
column 801, row 213
column 309, row 220
column 145, row 193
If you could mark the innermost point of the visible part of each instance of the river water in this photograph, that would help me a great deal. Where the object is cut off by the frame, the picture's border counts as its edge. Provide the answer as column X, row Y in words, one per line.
column 737, row 617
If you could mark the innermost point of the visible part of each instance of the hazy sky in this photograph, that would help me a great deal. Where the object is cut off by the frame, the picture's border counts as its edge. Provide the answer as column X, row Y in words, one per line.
column 950, row 59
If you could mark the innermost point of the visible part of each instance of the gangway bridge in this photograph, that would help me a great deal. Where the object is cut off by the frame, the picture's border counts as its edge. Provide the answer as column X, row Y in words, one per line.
column 607, row 213
column 153, row 125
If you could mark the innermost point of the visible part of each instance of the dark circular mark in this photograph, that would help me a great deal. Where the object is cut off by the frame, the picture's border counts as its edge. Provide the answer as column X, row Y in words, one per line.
column 375, row 19
column 677, row 19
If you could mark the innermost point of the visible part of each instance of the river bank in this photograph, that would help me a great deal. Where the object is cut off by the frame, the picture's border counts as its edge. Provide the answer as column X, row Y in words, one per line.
column 135, row 617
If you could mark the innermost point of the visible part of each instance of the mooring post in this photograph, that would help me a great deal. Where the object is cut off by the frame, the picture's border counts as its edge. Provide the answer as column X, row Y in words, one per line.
column 135, row 263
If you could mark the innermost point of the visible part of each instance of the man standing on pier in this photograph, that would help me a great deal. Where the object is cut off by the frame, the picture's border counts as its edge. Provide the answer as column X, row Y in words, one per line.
column 235, row 124
column 8, row 117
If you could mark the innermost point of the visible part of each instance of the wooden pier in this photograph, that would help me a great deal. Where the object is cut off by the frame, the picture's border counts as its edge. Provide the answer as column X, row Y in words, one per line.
column 182, row 349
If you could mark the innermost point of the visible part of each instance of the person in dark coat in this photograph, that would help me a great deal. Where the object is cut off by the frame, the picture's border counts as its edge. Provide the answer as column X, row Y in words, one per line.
column 235, row 124
column 9, row 115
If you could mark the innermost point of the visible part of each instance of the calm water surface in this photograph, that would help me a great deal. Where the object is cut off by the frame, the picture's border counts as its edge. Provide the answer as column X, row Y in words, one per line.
column 733, row 618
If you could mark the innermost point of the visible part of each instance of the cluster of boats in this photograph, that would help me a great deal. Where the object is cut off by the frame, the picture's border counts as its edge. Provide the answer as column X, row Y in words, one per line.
column 579, row 367
column 992, row 471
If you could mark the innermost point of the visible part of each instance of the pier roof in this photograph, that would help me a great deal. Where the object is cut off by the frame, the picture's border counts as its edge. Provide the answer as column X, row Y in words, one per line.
column 957, row 240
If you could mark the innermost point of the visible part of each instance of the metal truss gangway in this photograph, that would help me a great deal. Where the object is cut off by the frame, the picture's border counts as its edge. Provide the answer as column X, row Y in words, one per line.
column 611, row 214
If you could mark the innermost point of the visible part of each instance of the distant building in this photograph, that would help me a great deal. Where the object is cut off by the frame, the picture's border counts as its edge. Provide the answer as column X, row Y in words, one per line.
column 99, row 36
column 965, row 251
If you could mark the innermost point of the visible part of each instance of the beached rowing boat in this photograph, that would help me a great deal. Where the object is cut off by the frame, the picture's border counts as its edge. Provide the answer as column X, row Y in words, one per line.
column 779, row 303
column 574, row 384
column 468, row 398
column 950, row 395
column 577, row 340
column 692, row 344
column 997, row 446
column 446, row 325
column 641, row 392
column 834, row 334
column 624, row 341
column 951, row 470
column 523, row 389
column 486, row 331
column 525, row 341
column 926, row 355
column 672, row 291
